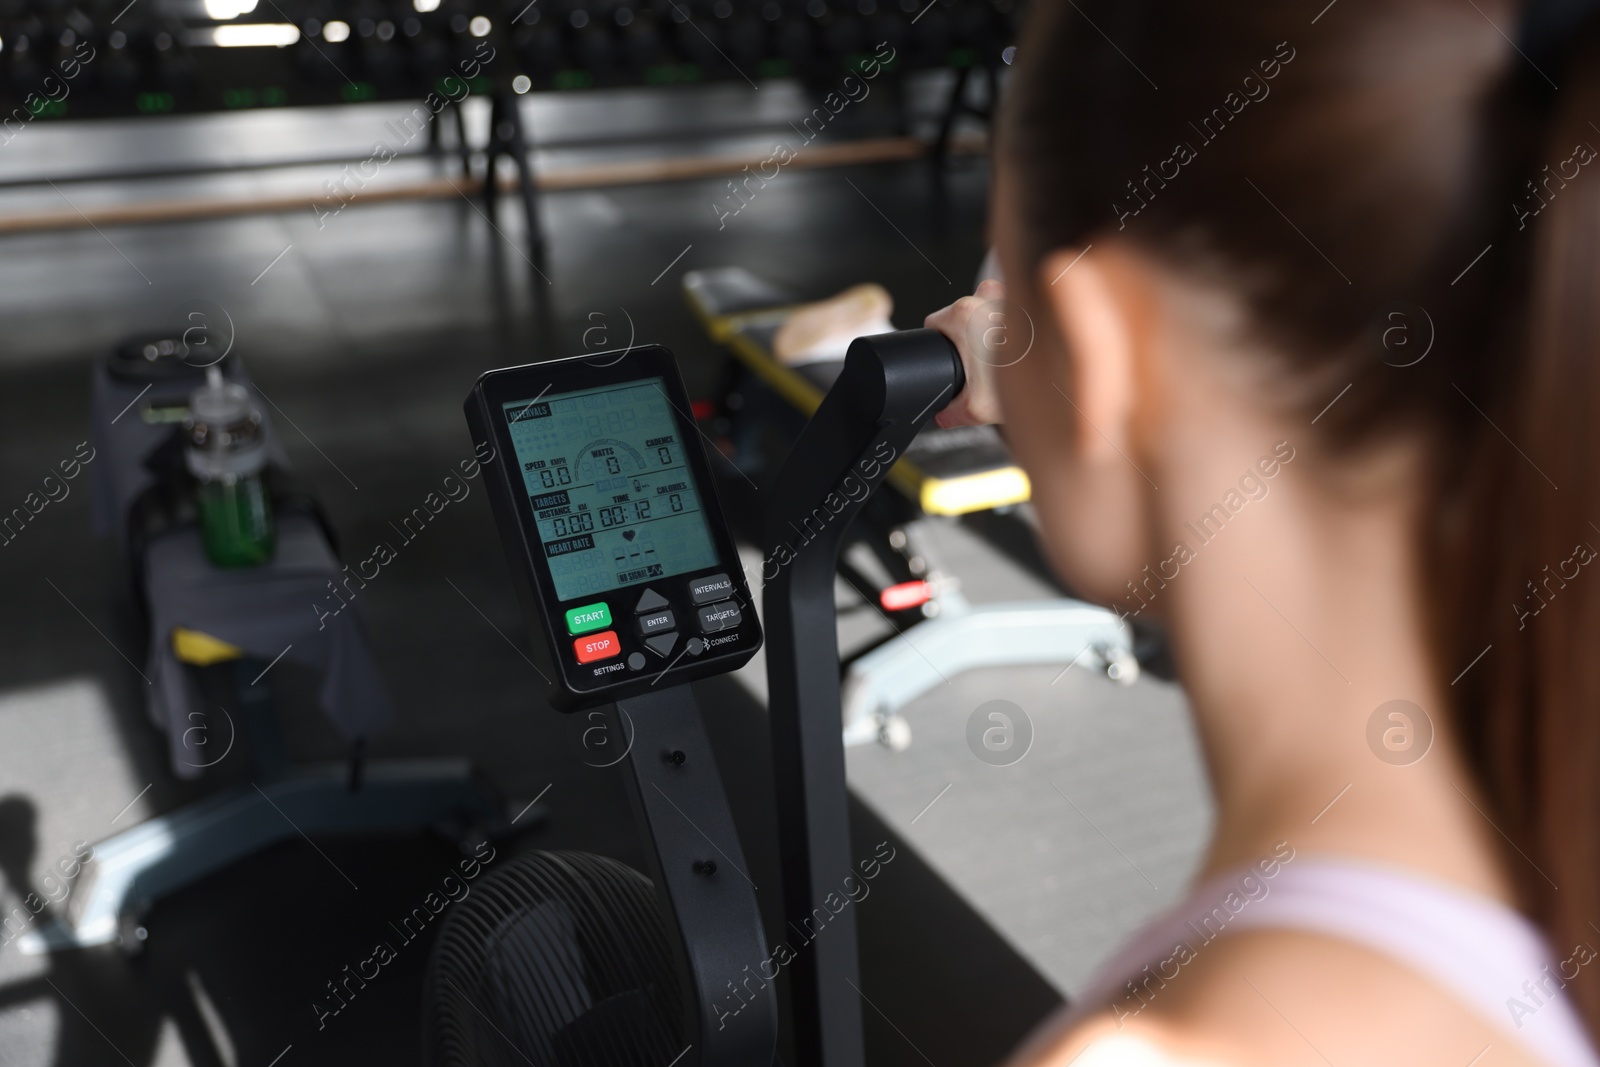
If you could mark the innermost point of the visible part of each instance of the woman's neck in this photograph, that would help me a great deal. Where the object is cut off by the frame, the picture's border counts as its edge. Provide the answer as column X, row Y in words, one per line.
column 1297, row 620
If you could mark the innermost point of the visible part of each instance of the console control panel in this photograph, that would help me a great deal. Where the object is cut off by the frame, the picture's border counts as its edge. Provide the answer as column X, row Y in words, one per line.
column 606, row 506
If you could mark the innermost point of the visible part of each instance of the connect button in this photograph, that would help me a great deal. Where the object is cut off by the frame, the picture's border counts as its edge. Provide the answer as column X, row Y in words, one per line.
column 723, row 616
column 586, row 617
column 597, row 647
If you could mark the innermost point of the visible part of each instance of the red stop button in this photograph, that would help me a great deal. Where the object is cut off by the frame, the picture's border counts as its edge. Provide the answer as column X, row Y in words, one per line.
column 597, row 647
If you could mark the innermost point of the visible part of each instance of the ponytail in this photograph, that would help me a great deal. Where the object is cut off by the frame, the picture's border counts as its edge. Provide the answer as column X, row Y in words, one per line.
column 1522, row 590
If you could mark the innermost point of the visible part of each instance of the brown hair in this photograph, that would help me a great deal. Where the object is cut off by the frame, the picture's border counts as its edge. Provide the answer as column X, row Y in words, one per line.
column 1387, row 157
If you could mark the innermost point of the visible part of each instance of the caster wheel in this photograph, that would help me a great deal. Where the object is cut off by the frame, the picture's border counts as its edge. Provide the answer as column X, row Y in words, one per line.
column 895, row 733
column 1122, row 666
column 132, row 935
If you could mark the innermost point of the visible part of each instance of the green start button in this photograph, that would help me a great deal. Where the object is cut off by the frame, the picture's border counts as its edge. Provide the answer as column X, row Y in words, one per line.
column 586, row 617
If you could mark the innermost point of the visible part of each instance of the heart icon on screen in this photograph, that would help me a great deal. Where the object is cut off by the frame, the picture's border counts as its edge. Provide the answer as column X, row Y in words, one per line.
column 629, row 534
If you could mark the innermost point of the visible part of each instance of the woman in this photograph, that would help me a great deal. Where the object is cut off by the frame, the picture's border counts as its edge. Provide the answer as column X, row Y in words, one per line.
column 1314, row 307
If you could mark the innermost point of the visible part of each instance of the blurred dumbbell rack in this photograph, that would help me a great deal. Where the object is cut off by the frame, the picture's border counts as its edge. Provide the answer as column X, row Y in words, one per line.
column 165, row 56
column 62, row 60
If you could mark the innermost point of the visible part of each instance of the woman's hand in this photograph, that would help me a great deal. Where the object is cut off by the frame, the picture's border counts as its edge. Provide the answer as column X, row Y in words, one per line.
column 968, row 323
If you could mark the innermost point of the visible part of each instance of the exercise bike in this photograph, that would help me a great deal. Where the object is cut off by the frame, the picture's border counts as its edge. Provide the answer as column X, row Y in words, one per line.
column 632, row 588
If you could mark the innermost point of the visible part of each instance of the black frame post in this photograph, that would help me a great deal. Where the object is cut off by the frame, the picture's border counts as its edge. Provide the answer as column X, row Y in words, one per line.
column 702, row 881
column 890, row 387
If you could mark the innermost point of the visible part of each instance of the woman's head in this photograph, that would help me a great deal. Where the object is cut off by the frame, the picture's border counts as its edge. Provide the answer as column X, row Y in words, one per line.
column 1373, row 231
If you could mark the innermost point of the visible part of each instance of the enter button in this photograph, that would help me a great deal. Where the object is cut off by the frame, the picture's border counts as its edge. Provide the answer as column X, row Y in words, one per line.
column 657, row 622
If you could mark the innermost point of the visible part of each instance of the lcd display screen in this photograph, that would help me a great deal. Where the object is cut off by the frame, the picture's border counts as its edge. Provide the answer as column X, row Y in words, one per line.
column 612, row 493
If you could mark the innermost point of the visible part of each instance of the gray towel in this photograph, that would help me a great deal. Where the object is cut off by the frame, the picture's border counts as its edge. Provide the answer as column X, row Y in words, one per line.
column 266, row 611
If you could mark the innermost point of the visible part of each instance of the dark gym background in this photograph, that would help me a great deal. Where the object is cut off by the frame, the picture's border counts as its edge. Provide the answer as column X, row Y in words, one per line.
column 366, row 334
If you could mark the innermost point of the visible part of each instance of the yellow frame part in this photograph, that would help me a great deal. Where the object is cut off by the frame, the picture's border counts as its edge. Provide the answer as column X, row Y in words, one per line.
column 936, row 496
column 201, row 649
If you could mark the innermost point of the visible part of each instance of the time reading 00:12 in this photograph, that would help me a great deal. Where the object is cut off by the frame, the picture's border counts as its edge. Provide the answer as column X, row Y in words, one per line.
column 613, row 515
column 613, row 500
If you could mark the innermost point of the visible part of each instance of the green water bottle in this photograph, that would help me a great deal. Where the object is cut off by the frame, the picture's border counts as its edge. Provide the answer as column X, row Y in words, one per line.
column 227, row 454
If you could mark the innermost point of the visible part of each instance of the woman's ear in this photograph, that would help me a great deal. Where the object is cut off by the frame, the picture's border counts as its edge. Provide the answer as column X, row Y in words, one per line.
column 1097, row 307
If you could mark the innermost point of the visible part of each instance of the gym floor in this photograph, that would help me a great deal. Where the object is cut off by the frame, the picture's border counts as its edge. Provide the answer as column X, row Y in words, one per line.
column 365, row 334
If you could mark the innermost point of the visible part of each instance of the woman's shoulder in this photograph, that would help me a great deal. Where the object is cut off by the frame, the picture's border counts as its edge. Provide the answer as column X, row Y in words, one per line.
column 1283, row 998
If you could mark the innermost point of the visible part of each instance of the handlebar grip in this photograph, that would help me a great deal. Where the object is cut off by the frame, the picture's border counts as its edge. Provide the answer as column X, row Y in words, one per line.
column 959, row 378
column 908, row 371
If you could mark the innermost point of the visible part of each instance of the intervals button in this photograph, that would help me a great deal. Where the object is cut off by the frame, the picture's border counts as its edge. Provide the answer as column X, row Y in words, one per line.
column 597, row 647
column 723, row 616
column 586, row 617
column 711, row 587
column 657, row 622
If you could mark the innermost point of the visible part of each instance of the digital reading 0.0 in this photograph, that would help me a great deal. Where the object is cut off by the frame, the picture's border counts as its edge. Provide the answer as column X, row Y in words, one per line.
column 612, row 493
